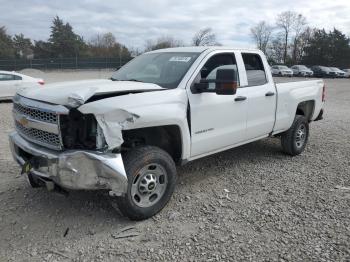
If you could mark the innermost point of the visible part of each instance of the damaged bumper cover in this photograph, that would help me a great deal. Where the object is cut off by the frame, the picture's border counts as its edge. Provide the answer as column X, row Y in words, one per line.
column 73, row 169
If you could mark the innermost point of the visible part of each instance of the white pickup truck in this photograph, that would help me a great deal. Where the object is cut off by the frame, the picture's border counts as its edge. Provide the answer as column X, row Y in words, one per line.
column 126, row 134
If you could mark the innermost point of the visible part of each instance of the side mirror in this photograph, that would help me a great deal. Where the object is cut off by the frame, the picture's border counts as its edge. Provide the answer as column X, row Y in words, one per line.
column 226, row 82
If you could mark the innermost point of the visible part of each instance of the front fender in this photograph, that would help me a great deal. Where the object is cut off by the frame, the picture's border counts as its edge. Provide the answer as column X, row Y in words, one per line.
column 142, row 110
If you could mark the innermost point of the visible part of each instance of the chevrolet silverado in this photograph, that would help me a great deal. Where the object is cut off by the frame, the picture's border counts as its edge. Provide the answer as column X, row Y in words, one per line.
column 125, row 135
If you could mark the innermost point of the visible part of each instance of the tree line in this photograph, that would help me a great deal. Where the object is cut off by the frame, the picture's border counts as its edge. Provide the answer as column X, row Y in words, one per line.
column 291, row 41
column 64, row 42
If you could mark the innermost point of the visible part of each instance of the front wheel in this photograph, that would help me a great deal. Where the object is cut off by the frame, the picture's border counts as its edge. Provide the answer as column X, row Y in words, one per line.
column 294, row 140
column 151, row 176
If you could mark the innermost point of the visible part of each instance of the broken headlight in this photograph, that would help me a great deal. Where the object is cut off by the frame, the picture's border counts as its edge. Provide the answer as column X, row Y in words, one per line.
column 81, row 131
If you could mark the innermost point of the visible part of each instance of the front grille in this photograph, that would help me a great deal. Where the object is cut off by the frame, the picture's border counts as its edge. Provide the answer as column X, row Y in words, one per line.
column 39, row 136
column 36, row 114
column 39, row 122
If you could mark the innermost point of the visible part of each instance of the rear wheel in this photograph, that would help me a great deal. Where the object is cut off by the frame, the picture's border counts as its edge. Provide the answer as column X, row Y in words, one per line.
column 151, row 176
column 294, row 140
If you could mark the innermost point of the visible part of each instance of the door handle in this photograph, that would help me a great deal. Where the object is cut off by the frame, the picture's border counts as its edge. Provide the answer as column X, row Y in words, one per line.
column 240, row 98
column 270, row 94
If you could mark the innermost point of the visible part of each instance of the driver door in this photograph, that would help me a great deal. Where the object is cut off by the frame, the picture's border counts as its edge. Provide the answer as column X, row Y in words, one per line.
column 217, row 121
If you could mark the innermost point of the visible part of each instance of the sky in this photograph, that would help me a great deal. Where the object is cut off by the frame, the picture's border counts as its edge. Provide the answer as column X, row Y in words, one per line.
column 134, row 22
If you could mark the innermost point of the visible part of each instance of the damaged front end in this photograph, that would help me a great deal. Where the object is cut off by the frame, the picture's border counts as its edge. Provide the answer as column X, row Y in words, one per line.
column 72, row 169
column 68, row 147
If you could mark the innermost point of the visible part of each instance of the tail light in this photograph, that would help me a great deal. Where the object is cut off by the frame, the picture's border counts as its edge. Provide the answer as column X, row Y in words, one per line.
column 41, row 82
column 324, row 93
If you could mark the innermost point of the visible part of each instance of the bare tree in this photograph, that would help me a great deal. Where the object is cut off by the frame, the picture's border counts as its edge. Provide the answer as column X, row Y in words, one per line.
column 106, row 40
column 261, row 34
column 204, row 37
column 162, row 42
column 275, row 50
column 302, row 43
column 299, row 28
column 286, row 22
column 96, row 40
column 106, row 45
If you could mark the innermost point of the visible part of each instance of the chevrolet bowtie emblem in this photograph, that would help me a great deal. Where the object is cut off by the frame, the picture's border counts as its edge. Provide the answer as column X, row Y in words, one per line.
column 23, row 121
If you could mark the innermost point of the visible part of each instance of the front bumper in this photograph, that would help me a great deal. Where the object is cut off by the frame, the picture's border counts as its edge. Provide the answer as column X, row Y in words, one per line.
column 73, row 169
column 306, row 73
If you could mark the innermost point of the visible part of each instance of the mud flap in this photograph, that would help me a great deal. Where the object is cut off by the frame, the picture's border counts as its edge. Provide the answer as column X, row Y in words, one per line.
column 320, row 116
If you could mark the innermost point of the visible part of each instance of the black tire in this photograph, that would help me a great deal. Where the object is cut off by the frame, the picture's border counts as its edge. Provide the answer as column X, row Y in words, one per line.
column 136, row 160
column 291, row 145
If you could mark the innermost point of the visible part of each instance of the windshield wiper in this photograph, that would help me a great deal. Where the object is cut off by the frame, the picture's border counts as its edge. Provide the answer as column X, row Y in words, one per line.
column 132, row 80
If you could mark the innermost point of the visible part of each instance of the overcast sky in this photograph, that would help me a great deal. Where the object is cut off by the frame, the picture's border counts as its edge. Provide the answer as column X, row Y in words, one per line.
column 133, row 22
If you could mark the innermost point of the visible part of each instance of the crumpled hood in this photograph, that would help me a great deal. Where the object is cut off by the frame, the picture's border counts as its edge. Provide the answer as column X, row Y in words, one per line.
column 75, row 93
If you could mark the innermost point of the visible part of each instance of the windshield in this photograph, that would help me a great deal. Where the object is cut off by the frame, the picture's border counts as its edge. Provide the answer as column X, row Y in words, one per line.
column 325, row 68
column 163, row 69
column 283, row 67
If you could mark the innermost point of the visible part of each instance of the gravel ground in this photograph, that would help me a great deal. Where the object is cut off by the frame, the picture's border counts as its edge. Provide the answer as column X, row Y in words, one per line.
column 251, row 203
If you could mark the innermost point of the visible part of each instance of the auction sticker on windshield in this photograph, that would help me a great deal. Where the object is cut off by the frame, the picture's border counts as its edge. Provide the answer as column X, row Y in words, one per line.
column 180, row 59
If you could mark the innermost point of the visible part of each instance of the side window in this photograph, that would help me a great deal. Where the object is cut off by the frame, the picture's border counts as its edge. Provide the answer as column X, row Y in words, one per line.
column 6, row 77
column 220, row 61
column 255, row 69
column 16, row 77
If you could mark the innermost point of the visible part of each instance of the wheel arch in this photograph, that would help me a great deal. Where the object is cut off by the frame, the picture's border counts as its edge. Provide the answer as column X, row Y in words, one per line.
column 167, row 137
column 306, row 108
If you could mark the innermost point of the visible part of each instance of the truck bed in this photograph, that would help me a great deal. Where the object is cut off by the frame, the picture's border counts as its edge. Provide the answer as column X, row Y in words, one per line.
column 290, row 95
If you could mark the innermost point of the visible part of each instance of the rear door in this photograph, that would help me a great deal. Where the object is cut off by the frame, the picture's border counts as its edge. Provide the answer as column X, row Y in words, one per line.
column 217, row 121
column 261, row 96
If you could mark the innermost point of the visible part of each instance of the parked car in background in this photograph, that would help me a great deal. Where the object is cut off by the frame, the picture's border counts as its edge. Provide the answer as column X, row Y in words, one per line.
column 339, row 73
column 301, row 70
column 347, row 73
column 281, row 70
column 11, row 82
column 323, row 71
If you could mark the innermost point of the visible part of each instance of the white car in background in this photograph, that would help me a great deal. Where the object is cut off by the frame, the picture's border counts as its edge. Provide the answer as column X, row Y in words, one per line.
column 301, row 70
column 347, row 73
column 281, row 70
column 11, row 82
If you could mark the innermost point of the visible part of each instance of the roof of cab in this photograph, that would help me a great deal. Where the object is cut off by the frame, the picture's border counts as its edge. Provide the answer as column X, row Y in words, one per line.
column 200, row 49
